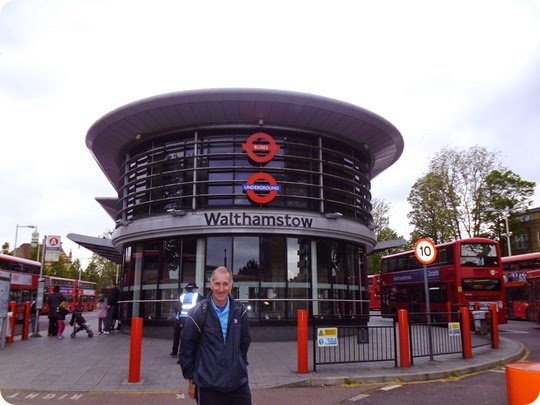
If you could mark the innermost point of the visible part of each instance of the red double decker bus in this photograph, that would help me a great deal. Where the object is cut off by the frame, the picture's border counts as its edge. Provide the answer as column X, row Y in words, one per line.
column 86, row 295
column 68, row 288
column 533, row 294
column 79, row 294
column 374, row 292
column 467, row 272
column 24, row 275
column 516, row 273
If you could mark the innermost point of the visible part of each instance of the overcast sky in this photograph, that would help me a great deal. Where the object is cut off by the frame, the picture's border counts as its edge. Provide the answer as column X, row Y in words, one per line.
column 445, row 73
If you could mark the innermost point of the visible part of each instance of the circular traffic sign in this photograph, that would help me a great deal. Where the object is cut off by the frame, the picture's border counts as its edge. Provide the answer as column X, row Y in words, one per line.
column 425, row 251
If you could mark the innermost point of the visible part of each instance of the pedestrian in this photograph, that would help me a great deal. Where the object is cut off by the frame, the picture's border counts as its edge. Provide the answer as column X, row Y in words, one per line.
column 112, row 308
column 214, row 345
column 102, row 315
column 33, row 323
column 63, row 310
column 181, row 307
column 53, row 302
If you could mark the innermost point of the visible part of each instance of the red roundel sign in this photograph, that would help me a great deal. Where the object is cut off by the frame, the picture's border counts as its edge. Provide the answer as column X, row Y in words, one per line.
column 261, row 188
column 261, row 152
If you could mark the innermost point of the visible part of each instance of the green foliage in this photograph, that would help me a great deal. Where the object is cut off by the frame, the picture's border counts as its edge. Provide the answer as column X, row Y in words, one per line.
column 383, row 232
column 57, row 269
column 450, row 201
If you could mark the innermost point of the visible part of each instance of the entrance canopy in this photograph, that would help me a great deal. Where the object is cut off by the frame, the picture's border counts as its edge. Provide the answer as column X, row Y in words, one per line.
column 100, row 246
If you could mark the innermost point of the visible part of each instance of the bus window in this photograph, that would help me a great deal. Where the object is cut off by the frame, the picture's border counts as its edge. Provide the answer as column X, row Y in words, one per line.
column 481, row 284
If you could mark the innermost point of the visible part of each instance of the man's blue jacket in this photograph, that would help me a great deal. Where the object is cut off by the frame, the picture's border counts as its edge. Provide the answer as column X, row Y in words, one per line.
column 205, row 357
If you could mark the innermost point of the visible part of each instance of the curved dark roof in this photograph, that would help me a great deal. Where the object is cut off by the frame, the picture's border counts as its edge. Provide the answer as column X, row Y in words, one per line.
column 110, row 136
column 100, row 246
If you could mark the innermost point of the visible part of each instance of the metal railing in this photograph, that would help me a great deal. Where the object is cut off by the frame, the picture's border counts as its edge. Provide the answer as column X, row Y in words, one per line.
column 443, row 341
column 378, row 342
column 354, row 343
column 258, row 308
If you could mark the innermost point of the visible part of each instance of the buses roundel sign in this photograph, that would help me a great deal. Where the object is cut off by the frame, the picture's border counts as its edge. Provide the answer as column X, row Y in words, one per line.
column 261, row 152
column 425, row 251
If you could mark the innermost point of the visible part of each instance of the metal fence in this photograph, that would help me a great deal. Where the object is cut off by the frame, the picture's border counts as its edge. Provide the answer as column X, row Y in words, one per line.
column 354, row 344
column 379, row 339
column 434, row 338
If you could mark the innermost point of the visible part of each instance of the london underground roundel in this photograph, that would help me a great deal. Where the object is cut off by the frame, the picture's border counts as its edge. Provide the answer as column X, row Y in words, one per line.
column 261, row 188
column 261, row 152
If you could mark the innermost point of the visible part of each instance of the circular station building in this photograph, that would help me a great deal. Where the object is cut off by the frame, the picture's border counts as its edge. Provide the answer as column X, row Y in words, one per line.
column 275, row 185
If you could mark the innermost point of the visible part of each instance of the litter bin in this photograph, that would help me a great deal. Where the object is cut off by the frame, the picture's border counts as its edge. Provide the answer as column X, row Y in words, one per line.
column 523, row 382
column 480, row 322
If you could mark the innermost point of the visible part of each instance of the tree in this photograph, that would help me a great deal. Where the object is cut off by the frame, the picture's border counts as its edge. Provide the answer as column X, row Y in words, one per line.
column 75, row 270
column 450, row 201
column 432, row 213
column 383, row 232
column 505, row 192
column 57, row 269
column 5, row 248
column 380, row 212
column 102, row 271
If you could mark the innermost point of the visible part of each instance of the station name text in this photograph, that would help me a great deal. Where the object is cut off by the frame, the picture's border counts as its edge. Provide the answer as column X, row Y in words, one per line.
column 244, row 219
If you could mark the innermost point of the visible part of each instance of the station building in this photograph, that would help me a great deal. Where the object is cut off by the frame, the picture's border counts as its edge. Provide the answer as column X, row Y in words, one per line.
column 275, row 185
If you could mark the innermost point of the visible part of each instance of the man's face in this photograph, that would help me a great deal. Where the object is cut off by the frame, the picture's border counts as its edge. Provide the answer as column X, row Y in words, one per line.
column 221, row 286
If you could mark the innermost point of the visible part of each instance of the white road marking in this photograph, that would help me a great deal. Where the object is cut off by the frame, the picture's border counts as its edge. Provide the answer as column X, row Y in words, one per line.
column 390, row 387
column 358, row 397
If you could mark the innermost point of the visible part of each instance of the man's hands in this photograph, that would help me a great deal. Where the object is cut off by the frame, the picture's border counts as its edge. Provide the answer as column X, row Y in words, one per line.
column 191, row 389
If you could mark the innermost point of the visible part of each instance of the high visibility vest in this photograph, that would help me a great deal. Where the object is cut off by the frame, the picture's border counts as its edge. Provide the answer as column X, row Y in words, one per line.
column 188, row 301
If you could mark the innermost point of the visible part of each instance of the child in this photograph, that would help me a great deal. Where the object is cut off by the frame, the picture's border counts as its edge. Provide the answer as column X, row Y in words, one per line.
column 102, row 316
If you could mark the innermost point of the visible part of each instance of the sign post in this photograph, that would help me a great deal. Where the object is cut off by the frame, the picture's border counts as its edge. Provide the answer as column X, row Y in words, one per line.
column 426, row 253
column 41, row 288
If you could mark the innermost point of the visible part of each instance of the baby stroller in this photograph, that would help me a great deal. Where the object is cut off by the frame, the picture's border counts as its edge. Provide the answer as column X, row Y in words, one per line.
column 79, row 323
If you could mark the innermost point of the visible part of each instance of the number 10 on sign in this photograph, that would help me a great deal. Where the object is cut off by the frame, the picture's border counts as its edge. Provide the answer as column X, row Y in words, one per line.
column 425, row 251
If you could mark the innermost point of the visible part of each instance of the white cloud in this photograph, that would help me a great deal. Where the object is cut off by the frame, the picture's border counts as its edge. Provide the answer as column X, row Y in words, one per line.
column 444, row 73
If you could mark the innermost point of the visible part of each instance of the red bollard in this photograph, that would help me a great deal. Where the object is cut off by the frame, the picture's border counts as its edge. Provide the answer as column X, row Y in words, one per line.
column 466, row 339
column 302, row 332
column 26, row 320
column 494, row 326
column 13, row 310
column 135, row 350
column 404, row 351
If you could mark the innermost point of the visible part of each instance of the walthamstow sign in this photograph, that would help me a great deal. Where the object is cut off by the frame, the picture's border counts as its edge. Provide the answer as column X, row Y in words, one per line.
column 261, row 187
column 247, row 219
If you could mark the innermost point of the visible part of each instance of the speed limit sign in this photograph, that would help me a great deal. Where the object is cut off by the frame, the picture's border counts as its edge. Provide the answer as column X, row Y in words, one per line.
column 425, row 250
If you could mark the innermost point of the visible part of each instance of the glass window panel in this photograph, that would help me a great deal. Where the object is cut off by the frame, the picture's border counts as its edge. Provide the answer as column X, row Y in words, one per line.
column 218, row 253
column 245, row 264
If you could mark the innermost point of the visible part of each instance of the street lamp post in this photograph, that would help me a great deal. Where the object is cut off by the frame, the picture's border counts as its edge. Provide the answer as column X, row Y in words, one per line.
column 17, row 233
column 506, row 214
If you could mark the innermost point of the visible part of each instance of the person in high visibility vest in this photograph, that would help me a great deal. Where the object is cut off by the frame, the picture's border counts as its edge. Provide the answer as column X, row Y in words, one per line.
column 185, row 302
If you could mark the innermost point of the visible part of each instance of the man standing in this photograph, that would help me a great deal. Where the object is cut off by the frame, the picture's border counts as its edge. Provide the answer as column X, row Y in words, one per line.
column 53, row 301
column 214, row 345
column 112, row 309
column 185, row 302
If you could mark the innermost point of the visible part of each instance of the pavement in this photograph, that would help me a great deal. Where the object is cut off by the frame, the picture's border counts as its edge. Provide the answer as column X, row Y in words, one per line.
column 101, row 364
